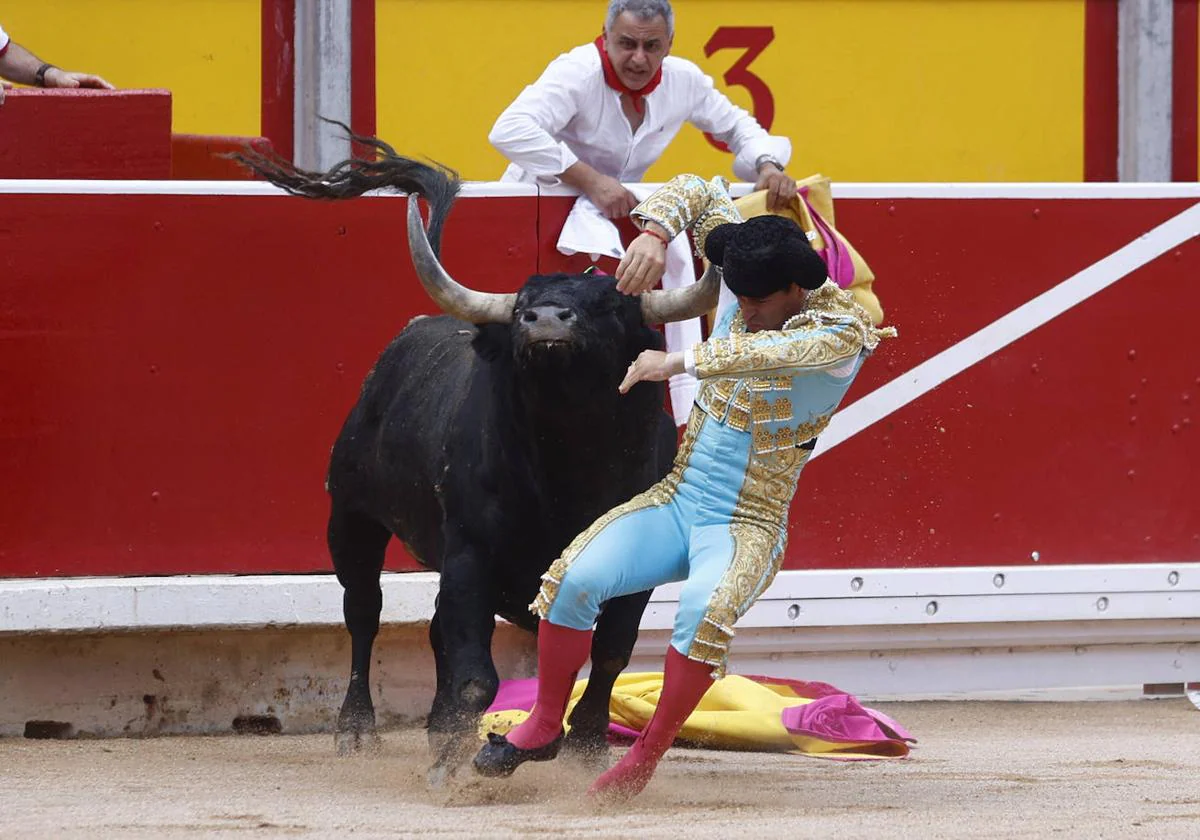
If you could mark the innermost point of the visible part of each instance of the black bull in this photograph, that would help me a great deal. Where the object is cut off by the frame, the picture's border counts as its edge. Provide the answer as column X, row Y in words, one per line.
column 486, row 443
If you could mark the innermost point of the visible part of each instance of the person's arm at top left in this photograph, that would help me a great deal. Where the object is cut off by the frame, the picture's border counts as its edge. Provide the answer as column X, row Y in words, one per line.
column 19, row 65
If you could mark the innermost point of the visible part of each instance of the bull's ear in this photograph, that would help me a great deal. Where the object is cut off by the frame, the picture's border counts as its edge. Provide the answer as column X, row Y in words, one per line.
column 491, row 341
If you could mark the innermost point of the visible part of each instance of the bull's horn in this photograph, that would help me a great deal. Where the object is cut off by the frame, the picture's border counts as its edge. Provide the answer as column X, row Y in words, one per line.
column 451, row 297
column 662, row 306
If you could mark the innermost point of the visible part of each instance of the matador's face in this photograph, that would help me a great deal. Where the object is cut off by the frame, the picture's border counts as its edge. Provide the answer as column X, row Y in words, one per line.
column 773, row 311
column 637, row 48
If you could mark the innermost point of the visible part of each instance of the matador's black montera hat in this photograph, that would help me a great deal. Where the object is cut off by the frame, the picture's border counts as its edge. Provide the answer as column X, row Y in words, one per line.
column 763, row 255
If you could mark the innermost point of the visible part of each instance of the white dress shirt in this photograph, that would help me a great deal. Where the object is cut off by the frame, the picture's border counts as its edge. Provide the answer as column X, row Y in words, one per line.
column 571, row 114
column 3, row 40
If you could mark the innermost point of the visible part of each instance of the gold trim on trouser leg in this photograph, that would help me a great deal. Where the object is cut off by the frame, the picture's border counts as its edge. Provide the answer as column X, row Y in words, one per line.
column 759, row 532
column 657, row 496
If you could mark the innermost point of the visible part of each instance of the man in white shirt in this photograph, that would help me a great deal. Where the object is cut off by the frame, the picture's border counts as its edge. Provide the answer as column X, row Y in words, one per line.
column 603, row 113
column 18, row 64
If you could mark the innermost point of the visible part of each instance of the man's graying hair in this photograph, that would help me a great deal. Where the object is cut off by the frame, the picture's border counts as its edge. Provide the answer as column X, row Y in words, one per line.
column 641, row 9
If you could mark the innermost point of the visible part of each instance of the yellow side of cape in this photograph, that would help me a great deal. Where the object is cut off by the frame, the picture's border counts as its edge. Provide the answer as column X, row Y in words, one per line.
column 735, row 714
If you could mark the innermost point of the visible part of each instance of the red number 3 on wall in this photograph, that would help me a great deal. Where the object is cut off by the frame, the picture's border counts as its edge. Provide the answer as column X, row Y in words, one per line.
column 752, row 39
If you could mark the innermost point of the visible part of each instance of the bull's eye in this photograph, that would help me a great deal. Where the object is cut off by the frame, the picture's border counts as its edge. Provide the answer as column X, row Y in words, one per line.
column 529, row 316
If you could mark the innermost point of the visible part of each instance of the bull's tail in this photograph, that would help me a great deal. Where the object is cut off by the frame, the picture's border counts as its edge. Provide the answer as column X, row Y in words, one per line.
column 437, row 183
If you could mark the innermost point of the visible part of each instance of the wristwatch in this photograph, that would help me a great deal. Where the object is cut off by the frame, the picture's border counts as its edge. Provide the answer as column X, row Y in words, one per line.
column 758, row 164
column 39, row 78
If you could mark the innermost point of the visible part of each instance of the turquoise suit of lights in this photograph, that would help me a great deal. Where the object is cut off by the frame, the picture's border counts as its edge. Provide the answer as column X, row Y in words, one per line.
column 718, row 520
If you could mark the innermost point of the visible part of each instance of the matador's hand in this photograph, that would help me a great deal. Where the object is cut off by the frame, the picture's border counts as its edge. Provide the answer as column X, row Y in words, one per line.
column 643, row 265
column 651, row 366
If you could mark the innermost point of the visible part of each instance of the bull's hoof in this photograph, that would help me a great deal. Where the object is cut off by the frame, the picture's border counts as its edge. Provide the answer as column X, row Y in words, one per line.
column 451, row 750
column 354, row 741
column 499, row 758
column 588, row 751
column 441, row 775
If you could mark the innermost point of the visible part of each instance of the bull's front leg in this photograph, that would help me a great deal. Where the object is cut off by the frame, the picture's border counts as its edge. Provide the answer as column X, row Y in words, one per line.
column 612, row 645
column 467, row 679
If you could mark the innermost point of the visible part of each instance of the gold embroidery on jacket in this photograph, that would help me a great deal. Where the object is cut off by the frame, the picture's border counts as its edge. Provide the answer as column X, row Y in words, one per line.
column 688, row 201
column 742, row 352
column 746, row 403
column 782, row 409
column 758, row 529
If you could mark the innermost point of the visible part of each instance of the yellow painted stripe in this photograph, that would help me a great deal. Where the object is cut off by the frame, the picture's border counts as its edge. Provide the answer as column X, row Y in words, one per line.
column 885, row 90
column 206, row 52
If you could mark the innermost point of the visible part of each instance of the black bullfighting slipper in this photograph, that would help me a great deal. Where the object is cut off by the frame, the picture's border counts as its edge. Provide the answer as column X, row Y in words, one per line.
column 499, row 758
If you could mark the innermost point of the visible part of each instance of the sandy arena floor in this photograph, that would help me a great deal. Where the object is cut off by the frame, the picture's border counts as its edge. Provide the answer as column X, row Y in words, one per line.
column 1003, row 770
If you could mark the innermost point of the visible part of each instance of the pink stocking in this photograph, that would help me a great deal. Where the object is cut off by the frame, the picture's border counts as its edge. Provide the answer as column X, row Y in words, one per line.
column 684, row 683
column 561, row 653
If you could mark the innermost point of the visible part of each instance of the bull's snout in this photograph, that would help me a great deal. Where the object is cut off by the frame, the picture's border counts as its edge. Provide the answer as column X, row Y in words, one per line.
column 548, row 323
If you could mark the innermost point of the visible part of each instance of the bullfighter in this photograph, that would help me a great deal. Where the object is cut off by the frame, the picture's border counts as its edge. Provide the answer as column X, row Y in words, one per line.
column 772, row 373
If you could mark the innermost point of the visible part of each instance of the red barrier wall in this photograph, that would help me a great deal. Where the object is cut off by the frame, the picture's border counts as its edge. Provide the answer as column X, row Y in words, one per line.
column 175, row 368
column 204, row 157
column 1074, row 443
column 125, row 134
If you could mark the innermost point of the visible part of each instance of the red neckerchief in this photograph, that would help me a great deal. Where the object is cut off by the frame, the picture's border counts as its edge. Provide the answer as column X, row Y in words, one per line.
column 614, row 81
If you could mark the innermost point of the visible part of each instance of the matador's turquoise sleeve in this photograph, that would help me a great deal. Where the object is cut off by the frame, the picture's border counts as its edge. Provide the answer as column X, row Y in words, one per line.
column 833, row 331
column 689, row 202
